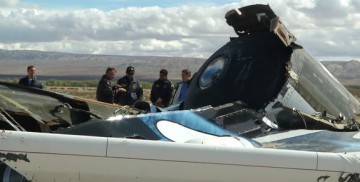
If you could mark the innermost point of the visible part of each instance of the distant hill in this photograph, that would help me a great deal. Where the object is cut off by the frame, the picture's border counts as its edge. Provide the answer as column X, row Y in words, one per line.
column 146, row 67
column 53, row 63
column 346, row 72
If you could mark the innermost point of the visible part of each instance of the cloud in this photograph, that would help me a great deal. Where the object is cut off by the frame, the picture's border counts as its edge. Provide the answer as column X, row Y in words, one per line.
column 152, row 30
column 7, row 3
column 327, row 29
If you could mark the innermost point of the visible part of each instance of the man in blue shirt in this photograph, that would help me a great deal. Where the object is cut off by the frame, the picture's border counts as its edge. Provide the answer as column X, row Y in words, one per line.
column 181, row 87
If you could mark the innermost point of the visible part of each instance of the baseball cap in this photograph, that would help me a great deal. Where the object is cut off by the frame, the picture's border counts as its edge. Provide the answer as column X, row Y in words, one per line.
column 130, row 69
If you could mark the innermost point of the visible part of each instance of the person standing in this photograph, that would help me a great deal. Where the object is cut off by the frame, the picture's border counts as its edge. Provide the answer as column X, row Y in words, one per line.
column 130, row 90
column 161, row 90
column 31, row 80
column 104, row 91
column 181, row 87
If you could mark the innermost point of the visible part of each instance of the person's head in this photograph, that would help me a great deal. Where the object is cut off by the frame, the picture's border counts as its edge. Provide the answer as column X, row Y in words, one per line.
column 31, row 71
column 163, row 74
column 110, row 73
column 185, row 75
column 130, row 71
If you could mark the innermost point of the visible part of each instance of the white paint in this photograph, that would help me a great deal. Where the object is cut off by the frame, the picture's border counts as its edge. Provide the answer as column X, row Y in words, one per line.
column 284, row 135
column 328, row 72
column 134, row 160
column 223, row 142
column 294, row 76
column 179, row 133
column 270, row 123
column 53, row 143
column 357, row 136
column 292, row 99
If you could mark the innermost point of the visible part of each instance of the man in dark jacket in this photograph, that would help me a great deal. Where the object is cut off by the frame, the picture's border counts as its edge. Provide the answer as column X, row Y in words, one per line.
column 161, row 90
column 130, row 90
column 30, row 80
column 104, row 91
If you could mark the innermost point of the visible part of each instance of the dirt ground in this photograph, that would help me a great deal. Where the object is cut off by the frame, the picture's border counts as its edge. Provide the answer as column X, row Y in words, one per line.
column 90, row 92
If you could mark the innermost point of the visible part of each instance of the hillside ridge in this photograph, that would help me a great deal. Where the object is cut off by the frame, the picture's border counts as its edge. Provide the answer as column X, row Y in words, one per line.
column 14, row 62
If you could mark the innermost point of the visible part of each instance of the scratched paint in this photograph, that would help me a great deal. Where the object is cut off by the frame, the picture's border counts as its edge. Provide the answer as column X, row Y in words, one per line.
column 13, row 157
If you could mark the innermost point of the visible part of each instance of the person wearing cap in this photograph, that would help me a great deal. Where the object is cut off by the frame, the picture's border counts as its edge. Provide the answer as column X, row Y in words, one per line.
column 161, row 90
column 181, row 87
column 130, row 90
column 104, row 91
column 30, row 80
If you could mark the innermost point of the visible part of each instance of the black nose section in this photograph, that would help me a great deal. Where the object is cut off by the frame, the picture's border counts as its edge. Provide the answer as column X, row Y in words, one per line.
column 250, row 68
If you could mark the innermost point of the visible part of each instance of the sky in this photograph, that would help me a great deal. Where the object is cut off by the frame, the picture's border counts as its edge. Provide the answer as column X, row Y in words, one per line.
column 327, row 29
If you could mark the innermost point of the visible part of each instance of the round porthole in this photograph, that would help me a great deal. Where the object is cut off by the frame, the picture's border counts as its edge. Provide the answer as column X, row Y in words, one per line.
column 212, row 72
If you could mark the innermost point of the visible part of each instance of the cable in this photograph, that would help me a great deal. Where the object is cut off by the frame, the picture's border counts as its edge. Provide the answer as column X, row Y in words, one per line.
column 12, row 121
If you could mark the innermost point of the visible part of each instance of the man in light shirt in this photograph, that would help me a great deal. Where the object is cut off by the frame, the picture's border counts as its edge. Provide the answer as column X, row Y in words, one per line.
column 181, row 87
column 30, row 80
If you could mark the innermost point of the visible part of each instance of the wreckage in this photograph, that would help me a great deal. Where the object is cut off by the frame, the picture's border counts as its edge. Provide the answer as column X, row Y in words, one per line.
column 259, row 109
column 266, row 70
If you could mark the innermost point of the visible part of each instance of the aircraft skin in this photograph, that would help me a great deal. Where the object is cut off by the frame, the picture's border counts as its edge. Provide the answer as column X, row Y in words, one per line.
column 56, row 157
column 159, row 145
column 242, row 103
column 264, row 68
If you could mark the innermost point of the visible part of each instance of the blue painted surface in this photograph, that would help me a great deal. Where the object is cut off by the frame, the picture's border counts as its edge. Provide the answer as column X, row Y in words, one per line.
column 186, row 118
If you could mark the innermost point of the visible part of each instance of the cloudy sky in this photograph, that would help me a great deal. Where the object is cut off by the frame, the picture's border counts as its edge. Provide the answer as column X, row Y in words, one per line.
column 328, row 29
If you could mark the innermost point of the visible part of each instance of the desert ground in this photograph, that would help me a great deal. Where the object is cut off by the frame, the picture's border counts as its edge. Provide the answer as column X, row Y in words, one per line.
column 90, row 92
